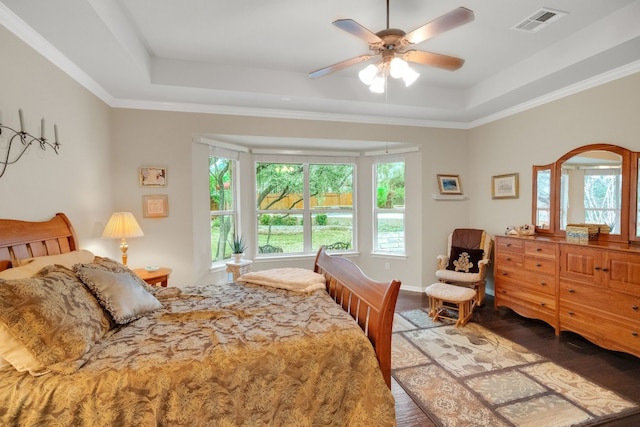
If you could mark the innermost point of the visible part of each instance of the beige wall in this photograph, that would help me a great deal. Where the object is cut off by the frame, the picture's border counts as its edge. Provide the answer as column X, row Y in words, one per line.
column 181, row 241
column 79, row 180
column 609, row 113
column 96, row 171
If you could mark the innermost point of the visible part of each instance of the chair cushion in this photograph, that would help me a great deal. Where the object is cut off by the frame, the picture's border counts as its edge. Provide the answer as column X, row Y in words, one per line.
column 468, row 238
column 457, row 276
column 450, row 293
column 465, row 260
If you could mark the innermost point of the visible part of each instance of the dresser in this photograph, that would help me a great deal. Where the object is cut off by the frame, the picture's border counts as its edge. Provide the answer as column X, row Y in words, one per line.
column 590, row 289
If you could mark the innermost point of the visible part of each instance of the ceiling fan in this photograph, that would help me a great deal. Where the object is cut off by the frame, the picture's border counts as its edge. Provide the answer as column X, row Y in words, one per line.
column 394, row 48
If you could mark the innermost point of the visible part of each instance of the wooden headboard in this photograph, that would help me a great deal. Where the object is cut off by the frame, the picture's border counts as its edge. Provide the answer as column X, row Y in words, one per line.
column 26, row 239
column 371, row 303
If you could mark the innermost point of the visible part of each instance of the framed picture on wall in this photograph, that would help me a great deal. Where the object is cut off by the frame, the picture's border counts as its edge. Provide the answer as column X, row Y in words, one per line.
column 152, row 176
column 504, row 186
column 155, row 206
column 449, row 184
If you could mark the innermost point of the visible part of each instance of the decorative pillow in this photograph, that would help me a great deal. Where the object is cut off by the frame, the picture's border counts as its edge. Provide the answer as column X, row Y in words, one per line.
column 107, row 264
column 68, row 259
column 48, row 321
column 119, row 293
column 465, row 260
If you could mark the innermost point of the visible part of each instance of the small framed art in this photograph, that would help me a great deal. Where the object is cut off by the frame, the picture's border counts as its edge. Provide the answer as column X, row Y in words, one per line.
column 449, row 184
column 153, row 176
column 504, row 186
column 155, row 206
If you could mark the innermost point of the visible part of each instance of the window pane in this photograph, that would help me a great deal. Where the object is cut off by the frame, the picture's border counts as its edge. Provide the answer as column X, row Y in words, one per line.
column 390, row 185
column 279, row 186
column 280, row 233
column 331, row 186
column 390, row 227
column 332, row 229
column 221, row 183
column 221, row 232
column 602, row 200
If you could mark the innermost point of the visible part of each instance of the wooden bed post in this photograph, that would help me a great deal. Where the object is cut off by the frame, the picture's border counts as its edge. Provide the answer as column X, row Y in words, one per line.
column 371, row 303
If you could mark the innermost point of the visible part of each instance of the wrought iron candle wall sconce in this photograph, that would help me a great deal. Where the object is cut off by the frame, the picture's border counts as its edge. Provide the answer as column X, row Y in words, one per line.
column 21, row 140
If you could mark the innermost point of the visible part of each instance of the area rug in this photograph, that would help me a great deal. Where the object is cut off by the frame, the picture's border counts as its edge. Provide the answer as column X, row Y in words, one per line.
column 472, row 377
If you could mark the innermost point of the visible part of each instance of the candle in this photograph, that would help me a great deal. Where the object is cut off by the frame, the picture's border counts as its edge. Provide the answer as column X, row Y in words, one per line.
column 55, row 132
column 21, row 120
column 42, row 128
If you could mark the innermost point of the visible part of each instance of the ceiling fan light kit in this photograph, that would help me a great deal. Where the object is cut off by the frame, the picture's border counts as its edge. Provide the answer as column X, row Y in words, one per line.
column 391, row 44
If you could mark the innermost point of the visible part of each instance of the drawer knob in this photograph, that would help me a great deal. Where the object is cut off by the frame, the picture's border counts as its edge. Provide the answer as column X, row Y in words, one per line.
column 543, row 284
column 571, row 313
column 504, row 273
column 572, row 291
column 596, row 268
column 605, row 269
column 538, row 249
column 542, row 304
column 504, row 292
column 508, row 244
column 634, row 333
column 508, row 258
column 634, row 307
column 538, row 265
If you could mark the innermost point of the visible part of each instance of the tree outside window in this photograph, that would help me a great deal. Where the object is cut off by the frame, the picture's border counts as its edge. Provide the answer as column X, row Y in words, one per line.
column 303, row 206
column 389, row 224
column 222, row 206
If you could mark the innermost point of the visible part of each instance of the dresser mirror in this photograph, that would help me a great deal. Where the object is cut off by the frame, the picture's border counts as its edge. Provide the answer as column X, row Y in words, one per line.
column 594, row 184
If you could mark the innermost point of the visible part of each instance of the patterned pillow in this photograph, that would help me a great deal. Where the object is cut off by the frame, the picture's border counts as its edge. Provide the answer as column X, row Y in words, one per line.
column 119, row 293
column 465, row 260
column 107, row 264
column 48, row 321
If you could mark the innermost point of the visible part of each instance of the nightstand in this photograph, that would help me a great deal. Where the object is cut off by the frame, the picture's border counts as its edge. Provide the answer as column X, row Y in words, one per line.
column 154, row 278
column 239, row 268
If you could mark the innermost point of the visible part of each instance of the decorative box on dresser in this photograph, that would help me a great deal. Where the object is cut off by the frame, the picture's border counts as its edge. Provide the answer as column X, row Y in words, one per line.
column 591, row 289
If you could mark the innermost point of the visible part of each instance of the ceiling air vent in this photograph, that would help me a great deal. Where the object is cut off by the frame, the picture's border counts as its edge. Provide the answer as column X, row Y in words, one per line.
column 539, row 20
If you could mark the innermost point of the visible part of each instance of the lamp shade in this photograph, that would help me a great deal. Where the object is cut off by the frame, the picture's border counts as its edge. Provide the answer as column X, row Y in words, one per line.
column 121, row 225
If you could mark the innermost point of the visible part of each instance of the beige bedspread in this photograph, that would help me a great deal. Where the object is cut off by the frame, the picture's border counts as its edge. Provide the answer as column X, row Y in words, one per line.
column 221, row 355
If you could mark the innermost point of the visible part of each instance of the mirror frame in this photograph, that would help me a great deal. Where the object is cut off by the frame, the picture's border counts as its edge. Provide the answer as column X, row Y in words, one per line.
column 629, row 193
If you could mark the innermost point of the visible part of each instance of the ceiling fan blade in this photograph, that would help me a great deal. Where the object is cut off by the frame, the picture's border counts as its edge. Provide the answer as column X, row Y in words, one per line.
column 339, row 66
column 450, row 20
column 352, row 27
column 450, row 63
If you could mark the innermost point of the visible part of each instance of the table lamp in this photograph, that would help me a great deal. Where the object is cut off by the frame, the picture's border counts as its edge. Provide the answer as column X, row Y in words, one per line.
column 120, row 226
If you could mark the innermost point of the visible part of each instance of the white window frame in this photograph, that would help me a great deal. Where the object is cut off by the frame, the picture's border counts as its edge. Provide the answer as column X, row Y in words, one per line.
column 306, row 211
column 377, row 211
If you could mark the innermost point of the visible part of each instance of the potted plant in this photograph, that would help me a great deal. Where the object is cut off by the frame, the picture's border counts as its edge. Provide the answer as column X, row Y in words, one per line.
column 237, row 247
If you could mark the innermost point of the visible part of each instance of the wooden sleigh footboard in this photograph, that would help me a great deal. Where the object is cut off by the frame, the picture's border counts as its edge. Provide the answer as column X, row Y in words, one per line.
column 371, row 303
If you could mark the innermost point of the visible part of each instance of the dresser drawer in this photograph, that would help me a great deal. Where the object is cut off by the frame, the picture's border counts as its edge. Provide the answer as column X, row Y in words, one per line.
column 540, row 265
column 600, row 328
column 540, row 249
column 509, row 260
column 525, row 280
column 509, row 244
column 542, row 302
column 583, row 294
column 626, row 306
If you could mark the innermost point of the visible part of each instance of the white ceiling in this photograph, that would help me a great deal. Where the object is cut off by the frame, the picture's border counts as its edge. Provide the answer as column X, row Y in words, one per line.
column 252, row 57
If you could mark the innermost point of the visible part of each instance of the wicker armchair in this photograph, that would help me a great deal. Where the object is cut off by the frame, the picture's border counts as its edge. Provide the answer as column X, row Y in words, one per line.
column 464, row 241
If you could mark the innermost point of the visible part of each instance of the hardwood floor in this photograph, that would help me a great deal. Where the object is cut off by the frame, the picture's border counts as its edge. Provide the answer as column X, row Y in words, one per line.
column 619, row 372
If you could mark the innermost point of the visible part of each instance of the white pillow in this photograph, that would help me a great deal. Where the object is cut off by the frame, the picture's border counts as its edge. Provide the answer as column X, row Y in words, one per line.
column 68, row 259
column 20, row 272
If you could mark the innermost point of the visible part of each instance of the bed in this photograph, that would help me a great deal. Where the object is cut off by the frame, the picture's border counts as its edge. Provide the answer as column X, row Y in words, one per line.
column 232, row 354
